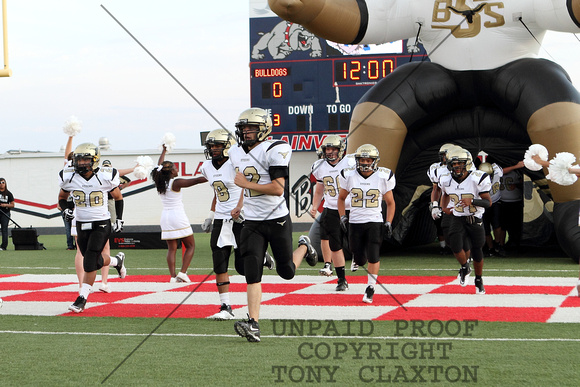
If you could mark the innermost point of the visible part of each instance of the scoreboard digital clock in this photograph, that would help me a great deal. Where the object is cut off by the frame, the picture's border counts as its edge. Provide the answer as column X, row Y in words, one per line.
column 316, row 95
column 309, row 84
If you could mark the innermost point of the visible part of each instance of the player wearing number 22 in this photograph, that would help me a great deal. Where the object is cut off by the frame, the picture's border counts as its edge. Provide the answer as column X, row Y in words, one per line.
column 367, row 184
column 467, row 192
column 89, row 187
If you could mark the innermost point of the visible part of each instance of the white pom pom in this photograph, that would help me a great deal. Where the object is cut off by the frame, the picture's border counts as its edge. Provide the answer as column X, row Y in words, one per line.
column 141, row 172
column 535, row 149
column 558, row 169
column 72, row 126
column 168, row 141
column 144, row 166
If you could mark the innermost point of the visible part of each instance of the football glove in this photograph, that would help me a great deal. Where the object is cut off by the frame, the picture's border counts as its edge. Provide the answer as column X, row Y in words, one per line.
column 206, row 225
column 388, row 230
column 68, row 215
column 344, row 223
column 435, row 210
column 118, row 225
column 240, row 218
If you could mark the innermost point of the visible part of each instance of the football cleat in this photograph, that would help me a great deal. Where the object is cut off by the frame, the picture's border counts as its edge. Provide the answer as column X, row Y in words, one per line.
column 172, row 280
column 121, row 269
column 182, row 277
column 311, row 254
column 105, row 288
column 79, row 305
column 369, row 293
column 342, row 285
column 479, row 289
column 225, row 313
column 464, row 273
column 326, row 270
column 353, row 265
column 249, row 329
column 269, row 261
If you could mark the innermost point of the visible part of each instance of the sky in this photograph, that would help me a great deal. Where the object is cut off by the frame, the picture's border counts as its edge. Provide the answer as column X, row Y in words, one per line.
column 71, row 58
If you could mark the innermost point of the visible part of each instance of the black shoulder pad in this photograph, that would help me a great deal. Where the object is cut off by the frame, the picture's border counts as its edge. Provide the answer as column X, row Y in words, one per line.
column 279, row 142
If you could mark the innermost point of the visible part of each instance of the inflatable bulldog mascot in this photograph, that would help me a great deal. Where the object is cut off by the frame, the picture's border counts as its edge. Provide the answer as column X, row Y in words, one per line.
column 484, row 81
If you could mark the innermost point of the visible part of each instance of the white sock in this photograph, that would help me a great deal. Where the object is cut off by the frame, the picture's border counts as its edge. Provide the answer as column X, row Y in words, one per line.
column 372, row 279
column 85, row 290
column 442, row 244
column 114, row 261
column 225, row 298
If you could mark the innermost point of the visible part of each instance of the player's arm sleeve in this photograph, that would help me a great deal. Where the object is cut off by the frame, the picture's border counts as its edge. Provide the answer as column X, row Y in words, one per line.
column 119, row 206
column 384, row 21
column 278, row 171
column 279, row 155
column 556, row 15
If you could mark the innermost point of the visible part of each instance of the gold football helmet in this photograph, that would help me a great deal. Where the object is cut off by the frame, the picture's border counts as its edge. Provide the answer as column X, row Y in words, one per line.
column 254, row 116
column 367, row 151
column 443, row 151
column 462, row 157
column 333, row 141
column 86, row 158
column 218, row 137
column 487, row 168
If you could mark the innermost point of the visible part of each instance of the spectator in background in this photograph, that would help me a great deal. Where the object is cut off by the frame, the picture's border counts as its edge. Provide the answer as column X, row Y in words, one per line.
column 6, row 203
column 512, row 206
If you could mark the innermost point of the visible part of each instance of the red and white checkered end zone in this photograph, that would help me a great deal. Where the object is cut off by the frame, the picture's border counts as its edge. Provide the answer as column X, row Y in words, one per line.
column 526, row 299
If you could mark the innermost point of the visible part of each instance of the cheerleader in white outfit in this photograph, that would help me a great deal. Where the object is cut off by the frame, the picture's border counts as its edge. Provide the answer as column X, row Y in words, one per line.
column 174, row 222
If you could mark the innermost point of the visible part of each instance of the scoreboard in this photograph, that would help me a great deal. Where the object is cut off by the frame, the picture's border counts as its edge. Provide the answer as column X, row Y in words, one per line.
column 318, row 94
column 310, row 85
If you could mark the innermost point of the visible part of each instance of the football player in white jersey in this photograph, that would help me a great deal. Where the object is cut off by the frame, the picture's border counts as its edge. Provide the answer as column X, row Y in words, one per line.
column 434, row 173
column 89, row 188
column 367, row 185
column 225, row 213
column 467, row 191
column 326, row 172
column 491, row 217
column 262, row 171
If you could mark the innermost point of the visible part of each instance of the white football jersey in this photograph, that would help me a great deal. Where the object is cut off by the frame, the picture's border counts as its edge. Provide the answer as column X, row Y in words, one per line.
column 222, row 181
column 366, row 194
column 435, row 171
column 475, row 183
column 511, row 187
column 327, row 174
column 90, row 196
column 493, row 38
column 495, row 191
column 255, row 166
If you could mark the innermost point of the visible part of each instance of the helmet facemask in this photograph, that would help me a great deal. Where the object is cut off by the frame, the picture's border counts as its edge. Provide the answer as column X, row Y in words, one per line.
column 253, row 117
column 83, row 164
column 221, row 138
column 367, row 151
column 334, row 142
column 86, row 158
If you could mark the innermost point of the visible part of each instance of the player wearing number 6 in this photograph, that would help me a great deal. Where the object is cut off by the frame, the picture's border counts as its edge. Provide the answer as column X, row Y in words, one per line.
column 368, row 185
column 89, row 188
column 468, row 193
